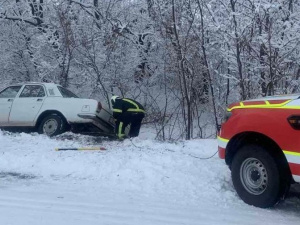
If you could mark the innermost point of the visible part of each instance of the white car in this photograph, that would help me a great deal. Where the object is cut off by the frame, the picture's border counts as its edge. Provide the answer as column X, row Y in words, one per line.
column 51, row 109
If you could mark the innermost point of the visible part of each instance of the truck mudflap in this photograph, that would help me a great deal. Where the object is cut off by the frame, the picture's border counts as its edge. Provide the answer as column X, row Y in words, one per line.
column 293, row 159
column 222, row 143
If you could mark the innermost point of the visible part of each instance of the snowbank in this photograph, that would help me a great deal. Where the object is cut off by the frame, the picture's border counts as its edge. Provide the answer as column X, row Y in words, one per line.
column 140, row 177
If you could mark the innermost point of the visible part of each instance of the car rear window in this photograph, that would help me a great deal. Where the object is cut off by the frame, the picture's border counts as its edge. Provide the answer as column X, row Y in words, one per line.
column 66, row 93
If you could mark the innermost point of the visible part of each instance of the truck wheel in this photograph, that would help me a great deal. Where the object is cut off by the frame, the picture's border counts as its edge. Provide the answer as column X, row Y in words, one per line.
column 257, row 177
column 52, row 125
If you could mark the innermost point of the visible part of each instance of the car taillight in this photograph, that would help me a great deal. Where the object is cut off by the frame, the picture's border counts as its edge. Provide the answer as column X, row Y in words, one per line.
column 294, row 121
column 99, row 106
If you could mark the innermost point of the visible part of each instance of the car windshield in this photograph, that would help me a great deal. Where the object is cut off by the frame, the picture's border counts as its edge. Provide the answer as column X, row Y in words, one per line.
column 66, row 93
column 10, row 92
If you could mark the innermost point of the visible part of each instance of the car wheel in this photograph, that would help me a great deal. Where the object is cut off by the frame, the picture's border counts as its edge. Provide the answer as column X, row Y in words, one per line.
column 52, row 125
column 257, row 177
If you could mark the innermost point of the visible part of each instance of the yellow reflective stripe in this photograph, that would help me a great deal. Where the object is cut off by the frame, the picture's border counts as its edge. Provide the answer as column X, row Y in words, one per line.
column 133, row 103
column 291, row 153
column 117, row 110
column 267, row 106
column 120, row 130
column 222, row 142
column 136, row 110
column 223, row 139
column 292, row 157
column 290, row 107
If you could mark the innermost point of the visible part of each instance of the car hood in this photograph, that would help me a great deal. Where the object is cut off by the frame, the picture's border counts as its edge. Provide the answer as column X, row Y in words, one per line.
column 266, row 102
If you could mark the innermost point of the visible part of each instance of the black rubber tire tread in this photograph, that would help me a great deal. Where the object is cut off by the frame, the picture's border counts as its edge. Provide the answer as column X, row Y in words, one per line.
column 60, row 121
column 276, row 186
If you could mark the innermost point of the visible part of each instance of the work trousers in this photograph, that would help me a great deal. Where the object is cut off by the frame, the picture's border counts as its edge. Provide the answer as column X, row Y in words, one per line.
column 132, row 119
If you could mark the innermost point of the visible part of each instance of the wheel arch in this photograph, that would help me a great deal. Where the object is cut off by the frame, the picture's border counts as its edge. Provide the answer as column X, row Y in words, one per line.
column 47, row 113
column 268, row 143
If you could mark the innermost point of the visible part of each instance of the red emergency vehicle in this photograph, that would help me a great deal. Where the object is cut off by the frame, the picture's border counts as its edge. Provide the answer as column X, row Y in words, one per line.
column 260, row 142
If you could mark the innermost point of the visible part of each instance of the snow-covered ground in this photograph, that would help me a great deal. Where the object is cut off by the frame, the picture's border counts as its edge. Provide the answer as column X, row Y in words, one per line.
column 135, row 182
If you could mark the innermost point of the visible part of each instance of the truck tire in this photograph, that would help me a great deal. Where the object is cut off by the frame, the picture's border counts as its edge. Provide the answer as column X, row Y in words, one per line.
column 52, row 125
column 257, row 177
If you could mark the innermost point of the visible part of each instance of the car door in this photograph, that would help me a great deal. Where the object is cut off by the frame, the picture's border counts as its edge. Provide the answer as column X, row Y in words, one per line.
column 7, row 97
column 26, row 106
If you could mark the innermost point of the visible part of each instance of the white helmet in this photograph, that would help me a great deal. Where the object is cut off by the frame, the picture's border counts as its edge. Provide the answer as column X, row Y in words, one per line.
column 113, row 99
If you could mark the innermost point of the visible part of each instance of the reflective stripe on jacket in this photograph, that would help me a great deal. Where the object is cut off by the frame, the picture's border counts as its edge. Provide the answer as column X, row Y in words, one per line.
column 126, row 105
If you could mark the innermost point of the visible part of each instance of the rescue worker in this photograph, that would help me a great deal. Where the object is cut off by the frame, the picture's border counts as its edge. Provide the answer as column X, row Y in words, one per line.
column 127, row 111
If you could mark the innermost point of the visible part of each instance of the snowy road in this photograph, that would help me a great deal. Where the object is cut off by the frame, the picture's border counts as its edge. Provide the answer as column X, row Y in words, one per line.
column 139, row 182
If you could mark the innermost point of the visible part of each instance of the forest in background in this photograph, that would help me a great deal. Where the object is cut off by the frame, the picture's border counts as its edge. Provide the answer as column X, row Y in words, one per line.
column 184, row 60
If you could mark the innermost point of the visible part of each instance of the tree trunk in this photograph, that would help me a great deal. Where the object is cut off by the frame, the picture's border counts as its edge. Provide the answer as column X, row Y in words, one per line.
column 180, row 59
column 206, row 64
column 238, row 51
column 96, row 4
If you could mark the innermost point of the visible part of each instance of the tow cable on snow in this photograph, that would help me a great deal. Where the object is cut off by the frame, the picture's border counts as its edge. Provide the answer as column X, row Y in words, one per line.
column 205, row 158
column 197, row 157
